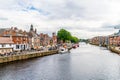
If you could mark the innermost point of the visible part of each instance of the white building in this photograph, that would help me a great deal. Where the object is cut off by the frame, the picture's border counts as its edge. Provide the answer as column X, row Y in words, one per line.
column 6, row 45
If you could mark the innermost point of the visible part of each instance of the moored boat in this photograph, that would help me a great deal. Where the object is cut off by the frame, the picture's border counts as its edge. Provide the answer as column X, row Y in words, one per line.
column 63, row 50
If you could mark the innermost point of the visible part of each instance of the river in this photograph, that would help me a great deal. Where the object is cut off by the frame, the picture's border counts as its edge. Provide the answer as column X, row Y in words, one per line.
column 87, row 62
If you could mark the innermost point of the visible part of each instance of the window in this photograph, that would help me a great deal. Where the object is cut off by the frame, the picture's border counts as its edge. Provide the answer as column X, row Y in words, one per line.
column 10, row 44
column 17, row 46
column 3, row 45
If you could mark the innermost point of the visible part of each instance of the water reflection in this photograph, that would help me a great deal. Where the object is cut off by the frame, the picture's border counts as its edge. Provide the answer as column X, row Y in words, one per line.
column 87, row 62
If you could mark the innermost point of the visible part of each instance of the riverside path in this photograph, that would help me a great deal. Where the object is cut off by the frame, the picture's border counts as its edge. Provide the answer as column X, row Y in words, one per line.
column 87, row 62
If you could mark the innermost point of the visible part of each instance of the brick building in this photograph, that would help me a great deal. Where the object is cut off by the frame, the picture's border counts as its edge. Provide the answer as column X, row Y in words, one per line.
column 6, row 45
column 54, row 39
column 114, row 40
column 34, row 39
column 19, row 37
column 45, row 39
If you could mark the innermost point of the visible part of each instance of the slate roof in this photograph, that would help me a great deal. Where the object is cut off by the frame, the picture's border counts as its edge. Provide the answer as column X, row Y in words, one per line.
column 3, row 29
column 32, row 34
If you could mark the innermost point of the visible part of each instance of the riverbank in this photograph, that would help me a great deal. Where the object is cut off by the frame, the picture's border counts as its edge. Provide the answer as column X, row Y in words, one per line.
column 111, row 48
column 26, row 56
column 115, row 49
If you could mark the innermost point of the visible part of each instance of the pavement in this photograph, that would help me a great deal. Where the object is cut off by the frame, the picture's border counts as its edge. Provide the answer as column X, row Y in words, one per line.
column 24, row 52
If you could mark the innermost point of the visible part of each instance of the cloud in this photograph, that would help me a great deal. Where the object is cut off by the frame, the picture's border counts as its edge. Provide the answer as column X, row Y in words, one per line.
column 3, row 18
column 83, row 18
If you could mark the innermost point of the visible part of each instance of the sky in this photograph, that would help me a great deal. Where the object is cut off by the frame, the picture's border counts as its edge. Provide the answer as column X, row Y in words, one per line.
column 83, row 18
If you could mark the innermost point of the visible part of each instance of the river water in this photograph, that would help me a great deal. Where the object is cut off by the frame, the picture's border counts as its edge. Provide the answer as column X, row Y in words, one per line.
column 87, row 62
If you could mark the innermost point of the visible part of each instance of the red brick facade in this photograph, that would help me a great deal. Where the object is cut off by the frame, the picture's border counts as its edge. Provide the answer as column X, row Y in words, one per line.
column 19, row 37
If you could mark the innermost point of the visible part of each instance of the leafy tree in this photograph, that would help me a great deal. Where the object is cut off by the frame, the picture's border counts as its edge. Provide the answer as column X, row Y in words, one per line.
column 74, row 39
column 84, row 40
column 64, row 35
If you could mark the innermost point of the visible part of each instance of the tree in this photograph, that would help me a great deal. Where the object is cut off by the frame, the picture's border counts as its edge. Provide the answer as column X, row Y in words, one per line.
column 64, row 35
column 74, row 39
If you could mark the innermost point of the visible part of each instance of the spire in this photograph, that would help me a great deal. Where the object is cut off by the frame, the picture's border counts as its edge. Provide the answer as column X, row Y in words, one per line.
column 31, row 27
column 35, row 30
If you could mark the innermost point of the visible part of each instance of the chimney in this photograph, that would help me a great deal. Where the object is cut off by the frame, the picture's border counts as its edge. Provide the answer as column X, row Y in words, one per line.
column 35, row 30
column 11, row 28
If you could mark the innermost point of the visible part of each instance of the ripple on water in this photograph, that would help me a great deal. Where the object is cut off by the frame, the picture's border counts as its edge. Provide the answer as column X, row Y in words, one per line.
column 87, row 62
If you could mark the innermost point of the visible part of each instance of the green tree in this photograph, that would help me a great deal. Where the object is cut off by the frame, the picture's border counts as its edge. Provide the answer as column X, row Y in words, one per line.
column 64, row 35
column 74, row 39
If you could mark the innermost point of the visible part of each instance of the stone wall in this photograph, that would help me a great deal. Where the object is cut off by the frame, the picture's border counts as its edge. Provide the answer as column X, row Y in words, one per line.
column 26, row 56
column 113, row 49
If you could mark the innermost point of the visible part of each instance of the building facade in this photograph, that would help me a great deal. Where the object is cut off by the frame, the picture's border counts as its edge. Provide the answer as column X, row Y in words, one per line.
column 6, row 45
column 54, row 39
column 114, row 39
column 45, row 39
column 34, row 39
column 19, row 37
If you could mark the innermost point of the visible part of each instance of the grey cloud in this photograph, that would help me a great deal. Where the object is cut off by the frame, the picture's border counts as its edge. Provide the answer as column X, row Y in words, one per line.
column 3, row 18
column 111, row 26
column 90, row 29
column 68, row 11
column 99, row 30
column 72, row 14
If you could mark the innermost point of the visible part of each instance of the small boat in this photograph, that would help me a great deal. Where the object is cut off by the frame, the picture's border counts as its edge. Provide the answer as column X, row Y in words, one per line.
column 63, row 50
column 77, row 45
column 74, row 46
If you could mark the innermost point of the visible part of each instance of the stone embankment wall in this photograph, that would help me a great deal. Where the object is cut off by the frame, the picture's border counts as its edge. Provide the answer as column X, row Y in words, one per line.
column 113, row 49
column 26, row 56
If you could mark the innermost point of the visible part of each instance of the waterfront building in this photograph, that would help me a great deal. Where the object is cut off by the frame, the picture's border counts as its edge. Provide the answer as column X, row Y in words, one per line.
column 45, row 39
column 34, row 39
column 28, row 40
column 19, row 37
column 114, row 39
column 6, row 45
column 54, row 39
column 102, row 40
column 95, row 40
column 106, row 41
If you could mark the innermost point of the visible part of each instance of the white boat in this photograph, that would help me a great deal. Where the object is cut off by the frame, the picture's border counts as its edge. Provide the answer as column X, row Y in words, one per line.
column 63, row 50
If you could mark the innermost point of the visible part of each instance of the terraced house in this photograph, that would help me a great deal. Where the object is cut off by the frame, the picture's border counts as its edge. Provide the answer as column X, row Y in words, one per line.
column 19, row 37
column 54, row 39
column 6, row 45
column 114, row 39
column 45, row 39
column 34, row 39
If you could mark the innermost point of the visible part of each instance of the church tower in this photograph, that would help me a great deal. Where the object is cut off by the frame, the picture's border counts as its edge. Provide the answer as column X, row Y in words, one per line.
column 35, row 30
column 31, row 27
